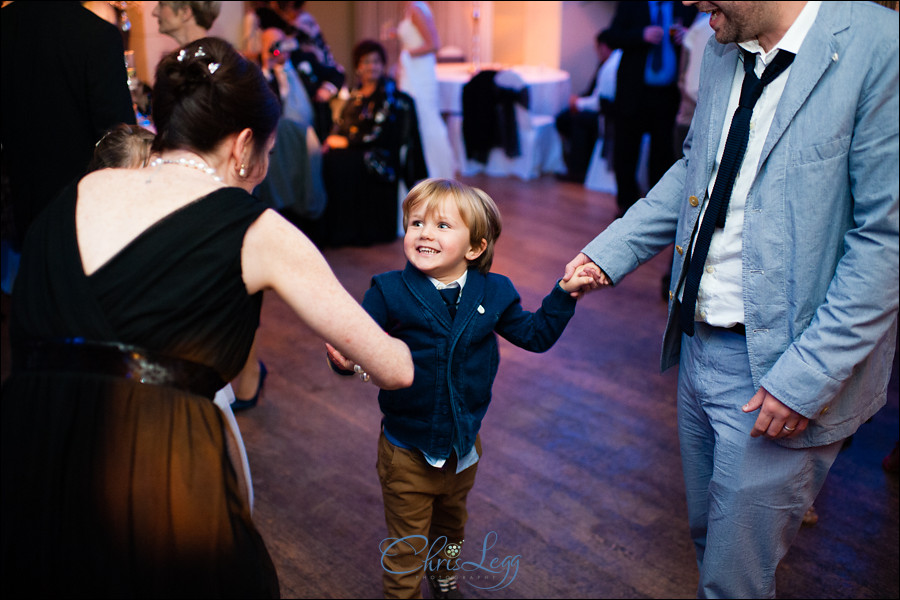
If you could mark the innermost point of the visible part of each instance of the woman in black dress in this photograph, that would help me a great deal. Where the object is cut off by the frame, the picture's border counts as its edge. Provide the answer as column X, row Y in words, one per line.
column 374, row 145
column 138, row 296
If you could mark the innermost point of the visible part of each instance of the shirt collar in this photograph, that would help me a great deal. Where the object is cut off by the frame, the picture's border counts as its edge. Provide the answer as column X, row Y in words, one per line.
column 461, row 282
column 793, row 38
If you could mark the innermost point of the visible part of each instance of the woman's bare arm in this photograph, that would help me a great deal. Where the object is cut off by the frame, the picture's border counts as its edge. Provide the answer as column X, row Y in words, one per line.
column 277, row 256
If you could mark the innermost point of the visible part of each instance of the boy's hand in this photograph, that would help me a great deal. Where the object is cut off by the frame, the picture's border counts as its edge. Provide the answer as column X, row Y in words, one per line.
column 587, row 273
column 343, row 366
column 582, row 280
column 337, row 362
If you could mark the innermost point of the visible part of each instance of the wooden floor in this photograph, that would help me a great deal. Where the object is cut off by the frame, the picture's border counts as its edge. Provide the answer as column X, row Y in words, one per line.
column 579, row 493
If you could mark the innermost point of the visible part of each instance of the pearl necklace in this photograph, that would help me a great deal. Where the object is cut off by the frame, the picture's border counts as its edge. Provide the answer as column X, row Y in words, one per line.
column 190, row 163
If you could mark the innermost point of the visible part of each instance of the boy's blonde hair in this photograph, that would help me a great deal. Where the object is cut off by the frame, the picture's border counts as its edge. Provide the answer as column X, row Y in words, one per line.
column 122, row 147
column 476, row 208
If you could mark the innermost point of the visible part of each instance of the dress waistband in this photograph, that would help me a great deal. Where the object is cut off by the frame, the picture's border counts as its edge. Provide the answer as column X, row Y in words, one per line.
column 121, row 360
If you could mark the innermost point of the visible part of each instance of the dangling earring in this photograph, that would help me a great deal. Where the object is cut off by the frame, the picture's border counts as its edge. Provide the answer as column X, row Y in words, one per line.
column 243, row 172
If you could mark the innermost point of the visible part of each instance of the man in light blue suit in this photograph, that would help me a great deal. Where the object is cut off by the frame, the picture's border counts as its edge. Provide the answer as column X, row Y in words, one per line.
column 785, row 345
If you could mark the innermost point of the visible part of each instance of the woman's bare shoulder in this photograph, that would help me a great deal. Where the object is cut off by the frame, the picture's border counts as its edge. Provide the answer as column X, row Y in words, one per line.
column 143, row 187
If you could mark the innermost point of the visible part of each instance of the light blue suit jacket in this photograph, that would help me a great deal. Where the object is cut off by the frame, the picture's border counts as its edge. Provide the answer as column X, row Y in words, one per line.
column 820, row 234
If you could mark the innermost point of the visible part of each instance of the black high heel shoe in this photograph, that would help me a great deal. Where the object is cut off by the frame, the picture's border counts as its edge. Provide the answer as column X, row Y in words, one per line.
column 239, row 404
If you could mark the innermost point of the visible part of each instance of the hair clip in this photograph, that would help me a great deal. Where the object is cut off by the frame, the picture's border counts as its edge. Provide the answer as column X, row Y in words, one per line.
column 199, row 53
column 212, row 67
column 181, row 55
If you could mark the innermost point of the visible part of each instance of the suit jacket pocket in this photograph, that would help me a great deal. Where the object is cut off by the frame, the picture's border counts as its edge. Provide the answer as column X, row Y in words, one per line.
column 823, row 151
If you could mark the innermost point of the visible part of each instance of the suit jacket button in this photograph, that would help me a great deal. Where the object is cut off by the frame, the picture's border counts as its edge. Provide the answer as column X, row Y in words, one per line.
column 694, row 202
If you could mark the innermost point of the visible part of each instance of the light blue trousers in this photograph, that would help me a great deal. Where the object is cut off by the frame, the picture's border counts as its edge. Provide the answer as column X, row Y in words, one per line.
column 746, row 496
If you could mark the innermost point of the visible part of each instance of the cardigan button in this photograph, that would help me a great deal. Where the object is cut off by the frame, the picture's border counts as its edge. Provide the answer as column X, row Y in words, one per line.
column 679, row 249
column 694, row 202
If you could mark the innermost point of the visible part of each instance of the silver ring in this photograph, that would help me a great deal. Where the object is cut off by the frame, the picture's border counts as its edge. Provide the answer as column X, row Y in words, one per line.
column 789, row 429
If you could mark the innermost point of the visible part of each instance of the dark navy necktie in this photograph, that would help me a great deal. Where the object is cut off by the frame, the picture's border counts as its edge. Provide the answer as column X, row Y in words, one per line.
column 450, row 296
column 732, row 156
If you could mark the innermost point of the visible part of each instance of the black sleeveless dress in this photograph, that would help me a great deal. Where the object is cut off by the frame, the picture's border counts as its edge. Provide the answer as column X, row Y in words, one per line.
column 112, row 487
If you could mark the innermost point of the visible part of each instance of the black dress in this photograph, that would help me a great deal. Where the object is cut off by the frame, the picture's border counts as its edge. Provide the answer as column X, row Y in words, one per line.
column 362, row 180
column 117, row 488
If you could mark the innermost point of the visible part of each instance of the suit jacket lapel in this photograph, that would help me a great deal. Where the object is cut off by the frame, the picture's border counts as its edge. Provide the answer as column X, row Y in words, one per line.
column 422, row 288
column 818, row 52
column 472, row 294
column 721, row 74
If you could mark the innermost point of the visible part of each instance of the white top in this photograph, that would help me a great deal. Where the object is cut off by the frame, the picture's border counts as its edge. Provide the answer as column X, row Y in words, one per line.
column 719, row 299
column 418, row 78
column 605, row 86
column 408, row 33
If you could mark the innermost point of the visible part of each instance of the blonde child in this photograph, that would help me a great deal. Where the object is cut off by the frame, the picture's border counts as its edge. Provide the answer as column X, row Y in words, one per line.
column 429, row 446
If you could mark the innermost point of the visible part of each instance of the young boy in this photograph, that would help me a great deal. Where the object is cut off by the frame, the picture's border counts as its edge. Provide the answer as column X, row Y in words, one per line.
column 429, row 446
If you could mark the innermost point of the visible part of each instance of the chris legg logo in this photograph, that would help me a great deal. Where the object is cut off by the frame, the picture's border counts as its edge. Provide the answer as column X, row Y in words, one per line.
column 487, row 569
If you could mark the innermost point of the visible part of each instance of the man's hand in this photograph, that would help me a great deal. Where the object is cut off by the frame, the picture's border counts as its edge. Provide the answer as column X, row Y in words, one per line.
column 775, row 420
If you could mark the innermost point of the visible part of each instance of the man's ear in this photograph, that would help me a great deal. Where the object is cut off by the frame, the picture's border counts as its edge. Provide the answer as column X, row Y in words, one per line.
column 476, row 251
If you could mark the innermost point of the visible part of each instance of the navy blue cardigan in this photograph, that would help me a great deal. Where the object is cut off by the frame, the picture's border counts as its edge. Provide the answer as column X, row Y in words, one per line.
column 455, row 360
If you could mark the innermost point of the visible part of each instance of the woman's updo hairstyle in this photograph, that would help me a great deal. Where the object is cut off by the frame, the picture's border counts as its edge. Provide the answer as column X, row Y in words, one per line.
column 207, row 91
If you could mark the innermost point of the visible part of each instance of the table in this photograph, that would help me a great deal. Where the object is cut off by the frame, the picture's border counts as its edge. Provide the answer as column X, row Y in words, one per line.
column 548, row 93
column 548, row 88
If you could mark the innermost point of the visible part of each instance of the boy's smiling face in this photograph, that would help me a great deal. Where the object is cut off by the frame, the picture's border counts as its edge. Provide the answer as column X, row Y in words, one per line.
column 437, row 242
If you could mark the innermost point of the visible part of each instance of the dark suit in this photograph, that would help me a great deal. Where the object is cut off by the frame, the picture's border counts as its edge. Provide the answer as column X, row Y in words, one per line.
column 640, row 108
column 442, row 411
column 63, row 85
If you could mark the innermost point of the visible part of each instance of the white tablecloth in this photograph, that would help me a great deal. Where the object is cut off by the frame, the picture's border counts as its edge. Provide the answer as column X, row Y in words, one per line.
column 548, row 88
